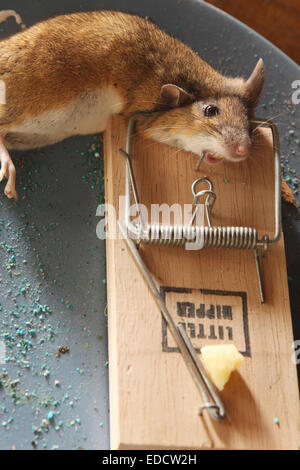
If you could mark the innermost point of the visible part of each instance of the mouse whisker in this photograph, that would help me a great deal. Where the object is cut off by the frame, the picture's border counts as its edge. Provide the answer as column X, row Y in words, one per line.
column 268, row 120
column 159, row 128
column 263, row 124
column 176, row 151
column 214, row 129
column 166, row 127
column 257, row 145
column 276, row 115
column 155, row 142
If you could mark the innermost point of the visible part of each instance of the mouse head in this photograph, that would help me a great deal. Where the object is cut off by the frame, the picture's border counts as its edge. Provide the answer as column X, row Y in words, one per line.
column 217, row 126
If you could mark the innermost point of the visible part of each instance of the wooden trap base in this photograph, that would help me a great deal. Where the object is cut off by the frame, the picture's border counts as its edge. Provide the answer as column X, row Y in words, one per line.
column 154, row 402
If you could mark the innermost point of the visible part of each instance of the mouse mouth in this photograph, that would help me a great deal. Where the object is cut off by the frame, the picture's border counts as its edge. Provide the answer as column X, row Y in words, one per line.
column 212, row 158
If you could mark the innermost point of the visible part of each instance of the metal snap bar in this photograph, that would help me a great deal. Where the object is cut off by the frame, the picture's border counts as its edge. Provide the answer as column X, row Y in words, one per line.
column 210, row 397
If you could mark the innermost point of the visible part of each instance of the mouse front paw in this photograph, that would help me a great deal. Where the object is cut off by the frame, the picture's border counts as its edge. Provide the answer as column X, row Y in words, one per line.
column 8, row 170
column 10, row 192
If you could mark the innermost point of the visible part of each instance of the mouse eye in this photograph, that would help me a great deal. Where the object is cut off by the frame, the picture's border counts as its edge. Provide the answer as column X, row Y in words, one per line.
column 210, row 110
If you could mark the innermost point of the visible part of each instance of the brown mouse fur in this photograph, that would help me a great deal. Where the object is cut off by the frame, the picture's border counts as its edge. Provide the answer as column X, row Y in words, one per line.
column 67, row 75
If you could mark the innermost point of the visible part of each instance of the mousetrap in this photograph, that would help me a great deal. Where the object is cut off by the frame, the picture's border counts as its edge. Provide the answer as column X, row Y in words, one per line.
column 175, row 287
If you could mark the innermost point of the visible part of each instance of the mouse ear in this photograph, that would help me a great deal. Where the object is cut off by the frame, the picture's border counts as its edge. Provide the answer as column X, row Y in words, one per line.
column 255, row 84
column 173, row 96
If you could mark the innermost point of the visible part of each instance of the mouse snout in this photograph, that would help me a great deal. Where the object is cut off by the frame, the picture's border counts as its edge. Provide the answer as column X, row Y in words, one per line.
column 241, row 150
column 237, row 142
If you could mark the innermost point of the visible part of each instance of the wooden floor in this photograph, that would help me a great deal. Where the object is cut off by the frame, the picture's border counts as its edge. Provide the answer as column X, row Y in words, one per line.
column 276, row 20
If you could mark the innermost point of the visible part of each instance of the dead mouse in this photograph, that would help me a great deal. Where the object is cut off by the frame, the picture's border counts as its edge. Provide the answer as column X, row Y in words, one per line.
column 67, row 75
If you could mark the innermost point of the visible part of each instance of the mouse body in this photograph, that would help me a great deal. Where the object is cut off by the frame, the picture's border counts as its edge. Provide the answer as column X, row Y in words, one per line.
column 67, row 75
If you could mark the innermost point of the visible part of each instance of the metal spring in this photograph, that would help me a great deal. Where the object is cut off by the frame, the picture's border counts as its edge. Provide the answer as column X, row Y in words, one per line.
column 214, row 237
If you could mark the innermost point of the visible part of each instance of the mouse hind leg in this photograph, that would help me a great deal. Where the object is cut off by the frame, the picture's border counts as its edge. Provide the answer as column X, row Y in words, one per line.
column 8, row 170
